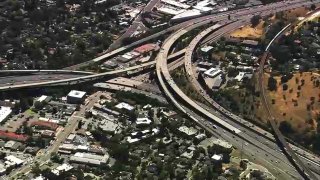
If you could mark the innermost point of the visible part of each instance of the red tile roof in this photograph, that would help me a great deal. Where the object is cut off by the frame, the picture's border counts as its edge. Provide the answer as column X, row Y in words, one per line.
column 145, row 48
column 13, row 136
column 45, row 124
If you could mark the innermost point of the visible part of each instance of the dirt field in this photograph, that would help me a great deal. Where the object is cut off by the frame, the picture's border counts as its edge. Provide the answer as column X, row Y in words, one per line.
column 295, row 13
column 288, row 106
column 249, row 32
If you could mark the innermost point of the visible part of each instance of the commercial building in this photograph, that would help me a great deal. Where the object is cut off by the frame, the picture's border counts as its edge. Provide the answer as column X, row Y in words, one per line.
column 10, row 144
column 4, row 113
column 3, row 169
column 76, row 97
column 127, row 57
column 206, row 49
column 90, row 159
column 217, row 82
column 190, row 131
column 250, row 43
column 204, row 64
column 213, row 72
column 48, row 133
column 189, row 14
column 217, row 157
column 137, row 136
column 176, row 4
column 124, row 106
column 106, row 110
column 170, row 11
column 240, row 76
column 143, row 121
column 109, row 126
column 203, row 9
column 67, row 147
column 61, row 168
column 44, row 99
column 11, row 161
column 110, row 64
column 9, row 103
column 221, row 143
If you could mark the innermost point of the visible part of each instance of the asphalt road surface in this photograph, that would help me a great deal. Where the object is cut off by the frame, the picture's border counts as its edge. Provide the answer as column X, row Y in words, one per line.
column 34, row 78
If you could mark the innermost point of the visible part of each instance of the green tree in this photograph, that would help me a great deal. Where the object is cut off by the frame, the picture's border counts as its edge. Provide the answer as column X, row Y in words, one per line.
column 36, row 169
column 285, row 127
column 272, row 84
column 120, row 152
column 255, row 20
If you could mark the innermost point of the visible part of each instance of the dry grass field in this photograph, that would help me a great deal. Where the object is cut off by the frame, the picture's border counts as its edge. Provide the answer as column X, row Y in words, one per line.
column 299, row 107
column 249, row 32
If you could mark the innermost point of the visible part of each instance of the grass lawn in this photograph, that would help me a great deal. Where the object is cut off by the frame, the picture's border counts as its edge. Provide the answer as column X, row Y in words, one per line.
column 30, row 112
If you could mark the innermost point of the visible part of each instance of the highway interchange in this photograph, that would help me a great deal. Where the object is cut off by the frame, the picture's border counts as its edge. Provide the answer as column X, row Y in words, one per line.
column 164, row 76
column 259, row 145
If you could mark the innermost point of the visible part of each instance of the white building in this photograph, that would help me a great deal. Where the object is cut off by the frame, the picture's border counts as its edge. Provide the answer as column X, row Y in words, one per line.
column 63, row 167
column 217, row 157
column 124, row 106
column 39, row 178
column 76, row 97
column 9, row 144
column 87, row 158
column 222, row 143
column 2, row 169
column 13, row 161
column 187, row 15
column 109, row 126
column 213, row 72
column 170, row 11
column 240, row 76
column 143, row 121
column 67, row 147
column 188, row 131
column 44, row 99
column 4, row 113
column 206, row 49
column 176, row 4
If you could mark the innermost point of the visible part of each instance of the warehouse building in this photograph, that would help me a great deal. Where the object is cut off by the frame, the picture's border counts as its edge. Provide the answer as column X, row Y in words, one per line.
column 90, row 159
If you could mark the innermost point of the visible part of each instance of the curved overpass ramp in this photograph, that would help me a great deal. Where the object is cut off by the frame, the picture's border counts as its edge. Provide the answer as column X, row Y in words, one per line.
column 168, row 84
column 197, row 86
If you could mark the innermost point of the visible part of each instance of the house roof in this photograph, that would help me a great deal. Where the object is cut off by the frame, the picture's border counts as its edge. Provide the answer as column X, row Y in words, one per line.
column 145, row 48
column 13, row 136
column 46, row 124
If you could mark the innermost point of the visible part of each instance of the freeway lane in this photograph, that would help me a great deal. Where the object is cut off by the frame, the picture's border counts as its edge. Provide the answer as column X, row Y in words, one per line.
column 78, row 79
column 43, row 71
column 34, row 78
